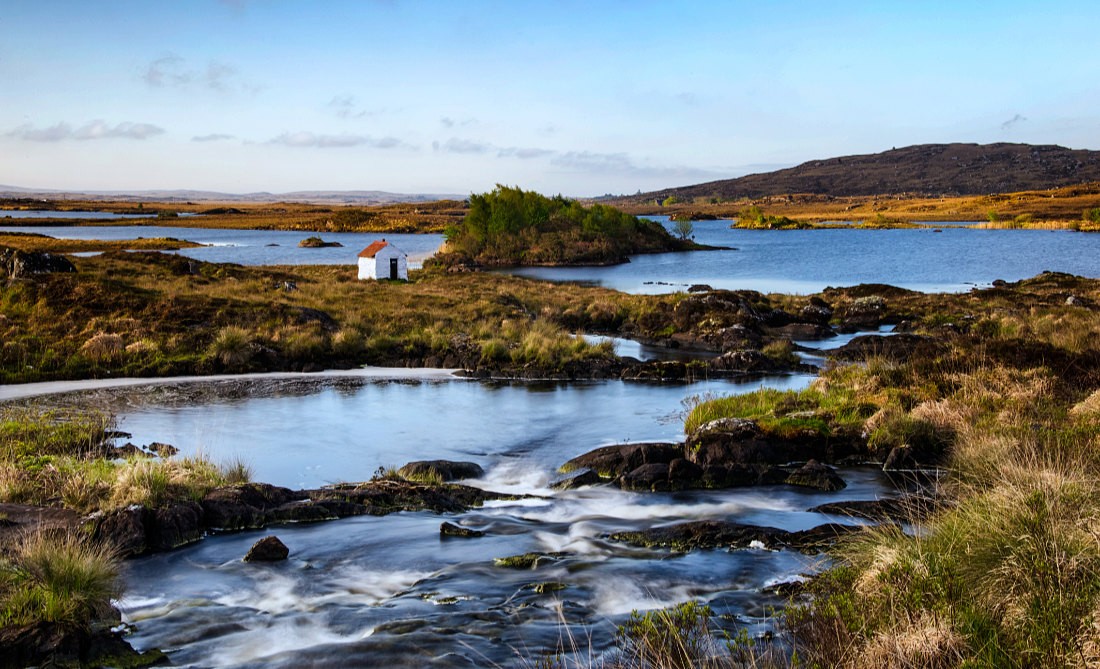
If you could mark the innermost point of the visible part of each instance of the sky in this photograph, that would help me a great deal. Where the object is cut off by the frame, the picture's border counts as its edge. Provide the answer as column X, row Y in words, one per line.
column 579, row 98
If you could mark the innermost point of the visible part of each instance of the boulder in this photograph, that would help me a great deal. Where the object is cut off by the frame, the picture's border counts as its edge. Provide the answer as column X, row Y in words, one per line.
column 813, row 474
column 163, row 450
column 444, row 470
column 268, row 549
column 174, row 525
column 744, row 360
column 614, row 461
column 23, row 265
column 122, row 528
column 803, row 331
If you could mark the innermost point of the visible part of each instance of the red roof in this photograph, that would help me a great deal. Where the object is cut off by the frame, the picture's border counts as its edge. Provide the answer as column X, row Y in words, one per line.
column 374, row 248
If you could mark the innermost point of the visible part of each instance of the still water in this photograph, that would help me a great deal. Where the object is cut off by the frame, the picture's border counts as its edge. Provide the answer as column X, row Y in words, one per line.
column 389, row 590
column 789, row 261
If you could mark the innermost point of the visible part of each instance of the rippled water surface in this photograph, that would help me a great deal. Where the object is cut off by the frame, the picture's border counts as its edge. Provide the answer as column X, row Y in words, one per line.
column 391, row 590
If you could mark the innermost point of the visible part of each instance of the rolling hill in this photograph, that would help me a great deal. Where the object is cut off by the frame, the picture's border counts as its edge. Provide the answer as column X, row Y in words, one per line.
column 926, row 169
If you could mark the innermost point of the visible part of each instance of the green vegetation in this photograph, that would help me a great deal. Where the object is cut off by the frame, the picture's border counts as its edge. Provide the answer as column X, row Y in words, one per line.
column 754, row 218
column 62, row 579
column 683, row 227
column 510, row 226
column 1091, row 215
column 55, row 458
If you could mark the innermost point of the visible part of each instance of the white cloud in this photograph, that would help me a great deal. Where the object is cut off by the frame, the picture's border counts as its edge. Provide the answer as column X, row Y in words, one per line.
column 97, row 129
column 455, row 145
column 173, row 71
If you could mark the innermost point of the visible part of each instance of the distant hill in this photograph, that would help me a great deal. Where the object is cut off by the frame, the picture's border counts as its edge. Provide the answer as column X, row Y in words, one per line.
column 361, row 197
column 927, row 169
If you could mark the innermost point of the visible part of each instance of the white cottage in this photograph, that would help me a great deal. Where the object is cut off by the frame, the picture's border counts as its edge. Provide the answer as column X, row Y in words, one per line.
column 383, row 260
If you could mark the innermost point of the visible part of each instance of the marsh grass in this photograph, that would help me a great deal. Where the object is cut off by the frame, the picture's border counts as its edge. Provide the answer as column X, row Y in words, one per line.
column 57, row 578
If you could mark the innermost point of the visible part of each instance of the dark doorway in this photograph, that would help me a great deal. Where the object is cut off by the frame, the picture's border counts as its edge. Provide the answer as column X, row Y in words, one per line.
column 393, row 269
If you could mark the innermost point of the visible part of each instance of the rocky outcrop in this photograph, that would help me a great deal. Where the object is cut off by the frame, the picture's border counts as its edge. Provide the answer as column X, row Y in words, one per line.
column 897, row 348
column 55, row 645
column 15, row 264
column 443, row 470
column 614, row 461
column 684, row 537
column 137, row 530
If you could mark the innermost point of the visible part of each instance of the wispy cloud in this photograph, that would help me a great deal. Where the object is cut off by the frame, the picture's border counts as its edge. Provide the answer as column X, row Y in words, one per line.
column 346, row 106
column 456, row 145
column 215, row 137
column 175, row 72
column 97, row 129
column 622, row 164
column 524, row 153
column 322, row 141
column 448, row 122
column 1012, row 122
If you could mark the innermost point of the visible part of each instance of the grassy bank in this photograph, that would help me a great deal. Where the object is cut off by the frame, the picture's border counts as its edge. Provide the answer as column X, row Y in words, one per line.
column 1007, row 574
column 35, row 243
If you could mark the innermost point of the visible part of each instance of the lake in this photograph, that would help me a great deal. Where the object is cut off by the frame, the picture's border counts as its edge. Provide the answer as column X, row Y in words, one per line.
column 788, row 261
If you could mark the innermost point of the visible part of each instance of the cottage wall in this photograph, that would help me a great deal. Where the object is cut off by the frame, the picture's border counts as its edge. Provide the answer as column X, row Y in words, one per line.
column 378, row 267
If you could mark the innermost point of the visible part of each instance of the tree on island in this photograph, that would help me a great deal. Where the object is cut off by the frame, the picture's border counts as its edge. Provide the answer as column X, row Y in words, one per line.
column 511, row 226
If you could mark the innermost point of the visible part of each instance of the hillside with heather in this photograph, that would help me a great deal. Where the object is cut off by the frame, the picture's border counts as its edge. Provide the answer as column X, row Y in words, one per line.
column 926, row 169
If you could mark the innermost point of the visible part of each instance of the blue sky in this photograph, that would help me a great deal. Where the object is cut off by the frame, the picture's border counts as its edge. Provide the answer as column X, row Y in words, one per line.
column 581, row 98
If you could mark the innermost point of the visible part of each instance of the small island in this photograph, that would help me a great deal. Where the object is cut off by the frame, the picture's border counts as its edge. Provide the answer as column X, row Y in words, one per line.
column 510, row 226
column 316, row 242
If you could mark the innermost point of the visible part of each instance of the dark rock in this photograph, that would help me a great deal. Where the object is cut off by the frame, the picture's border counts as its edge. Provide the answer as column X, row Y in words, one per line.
column 268, row 549
column 244, row 506
column 23, row 265
column 122, row 528
column 55, row 645
column 577, row 479
column 813, row 474
column 303, row 511
column 614, row 461
column 876, row 509
column 163, row 450
column 445, row 470
column 701, row 534
column 307, row 315
column 129, row 450
column 699, row 288
column 452, row 530
column 382, row 496
column 174, row 525
column 744, row 360
column 652, row 476
column 898, row 347
column 817, row 311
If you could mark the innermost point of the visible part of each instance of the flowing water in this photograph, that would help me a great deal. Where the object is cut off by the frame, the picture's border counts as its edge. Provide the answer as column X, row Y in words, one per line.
column 390, row 590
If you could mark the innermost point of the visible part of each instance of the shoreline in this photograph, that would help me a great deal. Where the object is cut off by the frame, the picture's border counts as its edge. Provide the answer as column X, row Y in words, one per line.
column 20, row 391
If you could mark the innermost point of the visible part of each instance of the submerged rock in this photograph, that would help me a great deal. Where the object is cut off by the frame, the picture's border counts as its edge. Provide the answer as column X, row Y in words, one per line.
column 527, row 560
column 452, row 530
column 268, row 549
